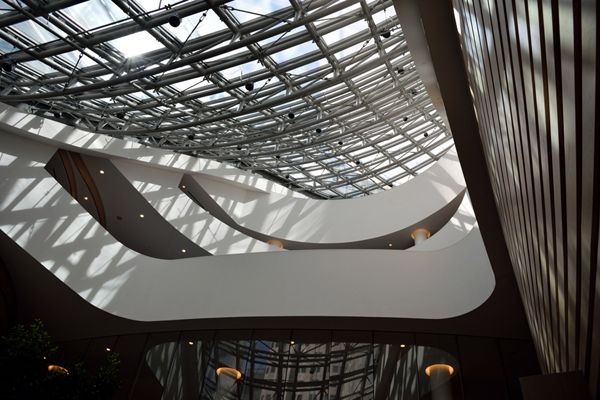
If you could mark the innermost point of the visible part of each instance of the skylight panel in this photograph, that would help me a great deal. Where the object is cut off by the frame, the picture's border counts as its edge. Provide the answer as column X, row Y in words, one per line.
column 247, row 10
column 92, row 14
column 136, row 44
column 336, row 139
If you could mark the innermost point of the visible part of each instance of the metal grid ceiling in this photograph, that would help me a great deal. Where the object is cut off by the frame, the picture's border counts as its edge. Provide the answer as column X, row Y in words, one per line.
column 321, row 95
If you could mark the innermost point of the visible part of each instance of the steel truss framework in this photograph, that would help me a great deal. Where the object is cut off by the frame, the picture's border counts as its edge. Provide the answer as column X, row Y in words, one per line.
column 272, row 370
column 269, row 91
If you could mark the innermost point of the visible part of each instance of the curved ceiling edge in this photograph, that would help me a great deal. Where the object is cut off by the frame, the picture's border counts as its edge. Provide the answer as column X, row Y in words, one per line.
column 399, row 239
column 360, row 283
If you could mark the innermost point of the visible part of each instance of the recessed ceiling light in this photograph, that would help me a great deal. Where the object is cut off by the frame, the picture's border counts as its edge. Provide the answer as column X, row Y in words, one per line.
column 102, row 172
column 389, row 244
column 183, row 250
column 292, row 342
column 232, row 372
column 439, row 368
column 85, row 197
column 108, row 349
column 183, row 186
column 403, row 345
column 191, row 343
column 57, row 369
column 141, row 215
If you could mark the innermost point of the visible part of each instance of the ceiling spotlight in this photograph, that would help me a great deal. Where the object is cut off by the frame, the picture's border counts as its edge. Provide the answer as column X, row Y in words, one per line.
column 232, row 372
column 405, row 119
column 249, row 86
column 239, row 147
column 389, row 244
column 318, row 130
column 85, row 197
column 183, row 250
column 120, row 115
column 278, row 156
column 57, row 369
column 141, row 215
column 292, row 342
column 174, row 20
column 108, row 349
column 357, row 162
column 287, row 177
column 7, row 67
column 443, row 369
column 386, row 34
column 191, row 343
column 291, row 115
column 340, row 143
column 426, row 134
column 191, row 137
column 391, row 185
column 101, row 172
column 403, row 345
column 400, row 70
column 183, row 186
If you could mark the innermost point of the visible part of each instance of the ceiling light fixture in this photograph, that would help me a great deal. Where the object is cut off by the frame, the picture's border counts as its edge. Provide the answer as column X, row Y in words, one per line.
column 85, row 197
column 101, row 172
column 249, row 86
column 174, row 20
column 386, row 34
column 183, row 186
column 275, row 243
column 108, row 349
column 57, row 369
column 389, row 244
column 183, row 250
column 291, row 115
column 318, row 130
column 191, row 343
column 292, row 342
column 7, row 67
column 439, row 368
column 141, row 215
column 232, row 372
column 403, row 345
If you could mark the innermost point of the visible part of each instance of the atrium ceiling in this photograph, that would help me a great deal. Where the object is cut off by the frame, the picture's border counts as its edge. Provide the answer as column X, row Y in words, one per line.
column 321, row 96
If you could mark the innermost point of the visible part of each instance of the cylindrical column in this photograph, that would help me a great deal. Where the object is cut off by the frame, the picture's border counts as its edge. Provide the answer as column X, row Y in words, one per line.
column 439, row 376
column 420, row 235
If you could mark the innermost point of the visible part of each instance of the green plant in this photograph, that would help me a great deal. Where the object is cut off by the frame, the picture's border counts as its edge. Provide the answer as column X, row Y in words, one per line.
column 25, row 354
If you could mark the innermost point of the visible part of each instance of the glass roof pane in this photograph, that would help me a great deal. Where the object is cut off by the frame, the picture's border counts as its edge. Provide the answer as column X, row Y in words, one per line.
column 326, row 120
column 92, row 14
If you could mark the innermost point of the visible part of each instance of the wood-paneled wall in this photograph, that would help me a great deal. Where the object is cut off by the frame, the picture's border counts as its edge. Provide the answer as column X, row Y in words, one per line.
column 532, row 73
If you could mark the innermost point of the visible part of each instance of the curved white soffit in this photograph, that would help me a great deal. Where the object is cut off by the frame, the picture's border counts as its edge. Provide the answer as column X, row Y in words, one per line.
column 66, row 137
column 347, row 220
column 459, row 226
column 262, row 205
column 39, row 215
column 160, row 188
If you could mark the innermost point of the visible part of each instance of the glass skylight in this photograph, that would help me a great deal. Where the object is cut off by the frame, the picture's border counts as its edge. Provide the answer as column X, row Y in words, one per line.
column 319, row 95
